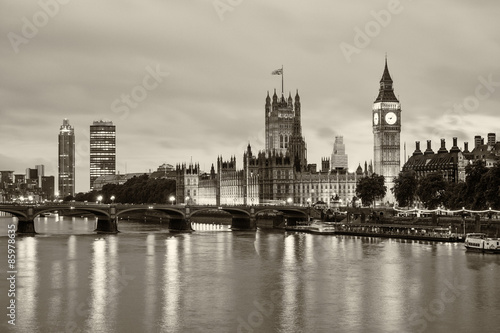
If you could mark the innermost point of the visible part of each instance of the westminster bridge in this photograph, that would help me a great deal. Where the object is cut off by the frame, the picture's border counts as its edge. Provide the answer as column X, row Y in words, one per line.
column 108, row 215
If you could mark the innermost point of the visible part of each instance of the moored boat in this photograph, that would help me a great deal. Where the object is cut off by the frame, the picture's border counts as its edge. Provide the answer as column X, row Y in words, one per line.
column 321, row 227
column 480, row 243
column 314, row 227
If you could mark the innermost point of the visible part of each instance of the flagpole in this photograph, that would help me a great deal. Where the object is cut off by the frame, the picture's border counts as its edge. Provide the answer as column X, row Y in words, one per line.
column 282, row 75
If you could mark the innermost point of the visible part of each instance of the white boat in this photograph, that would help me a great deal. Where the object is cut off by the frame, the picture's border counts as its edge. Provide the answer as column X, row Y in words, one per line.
column 321, row 227
column 479, row 242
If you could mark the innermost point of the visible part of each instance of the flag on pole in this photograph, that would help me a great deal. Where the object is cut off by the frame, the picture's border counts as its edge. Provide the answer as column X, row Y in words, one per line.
column 277, row 72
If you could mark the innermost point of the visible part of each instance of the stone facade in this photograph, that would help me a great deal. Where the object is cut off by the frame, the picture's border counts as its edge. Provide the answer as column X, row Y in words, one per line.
column 386, row 120
column 266, row 178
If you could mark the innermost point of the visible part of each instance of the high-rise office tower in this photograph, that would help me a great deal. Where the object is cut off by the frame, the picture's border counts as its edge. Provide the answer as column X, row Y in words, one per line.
column 102, row 150
column 66, row 179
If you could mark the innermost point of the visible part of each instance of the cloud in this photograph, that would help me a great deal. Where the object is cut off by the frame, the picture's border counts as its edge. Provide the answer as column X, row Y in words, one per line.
column 212, row 101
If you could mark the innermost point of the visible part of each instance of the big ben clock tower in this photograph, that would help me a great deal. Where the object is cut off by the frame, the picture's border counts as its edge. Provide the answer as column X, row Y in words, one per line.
column 386, row 122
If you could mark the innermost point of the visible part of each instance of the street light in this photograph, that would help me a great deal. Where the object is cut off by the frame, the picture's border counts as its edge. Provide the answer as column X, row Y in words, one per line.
column 309, row 201
column 172, row 199
column 289, row 201
column 112, row 199
column 187, row 200
column 99, row 199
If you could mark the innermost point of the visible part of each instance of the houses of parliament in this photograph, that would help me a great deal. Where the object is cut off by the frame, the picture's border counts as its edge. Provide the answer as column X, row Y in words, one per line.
column 280, row 174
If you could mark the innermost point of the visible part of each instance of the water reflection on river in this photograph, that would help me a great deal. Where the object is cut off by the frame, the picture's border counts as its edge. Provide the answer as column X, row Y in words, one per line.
column 145, row 279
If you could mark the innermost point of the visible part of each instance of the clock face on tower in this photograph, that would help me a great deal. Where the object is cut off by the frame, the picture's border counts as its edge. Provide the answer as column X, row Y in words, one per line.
column 391, row 118
column 375, row 118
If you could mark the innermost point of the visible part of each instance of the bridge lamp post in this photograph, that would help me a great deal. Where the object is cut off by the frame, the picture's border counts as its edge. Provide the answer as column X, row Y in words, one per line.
column 172, row 199
column 187, row 200
column 99, row 199
column 289, row 201
column 30, row 198
column 112, row 199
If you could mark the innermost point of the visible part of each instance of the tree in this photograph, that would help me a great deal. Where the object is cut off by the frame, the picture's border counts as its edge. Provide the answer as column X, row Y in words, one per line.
column 431, row 190
column 489, row 189
column 474, row 195
column 369, row 189
column 454, row 196
column 141, row 189
column 89, row 196
column 69, row 198
column 405, row 188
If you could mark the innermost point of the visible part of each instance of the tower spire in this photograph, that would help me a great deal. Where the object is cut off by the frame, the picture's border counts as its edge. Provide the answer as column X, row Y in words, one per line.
column 386, row 91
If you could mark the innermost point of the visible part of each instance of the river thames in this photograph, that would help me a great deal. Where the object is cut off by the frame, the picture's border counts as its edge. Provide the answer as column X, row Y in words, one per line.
column 145, row 279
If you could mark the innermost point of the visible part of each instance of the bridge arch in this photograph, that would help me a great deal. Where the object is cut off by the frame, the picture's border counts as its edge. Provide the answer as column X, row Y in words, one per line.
column 290, row 215
column 230, row 210
column 170, row 211
column 241, row 218
column 97, row 212
column 16, row 213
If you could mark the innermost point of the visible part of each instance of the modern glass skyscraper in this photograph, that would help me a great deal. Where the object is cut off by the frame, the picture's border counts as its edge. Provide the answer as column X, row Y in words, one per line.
column 102, row 150
column 66, row 179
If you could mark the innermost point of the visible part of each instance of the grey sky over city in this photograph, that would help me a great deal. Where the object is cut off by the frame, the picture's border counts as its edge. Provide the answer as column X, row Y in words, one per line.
column 187, row 80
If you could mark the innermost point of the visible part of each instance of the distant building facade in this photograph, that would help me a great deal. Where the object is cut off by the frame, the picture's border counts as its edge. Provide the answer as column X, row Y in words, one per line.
column 339, row 158
column 450, row 163
column 48, row 187
column 102, row 150
column 489, row 152
column 33, row 183
column 277, row 175
column 66, row 165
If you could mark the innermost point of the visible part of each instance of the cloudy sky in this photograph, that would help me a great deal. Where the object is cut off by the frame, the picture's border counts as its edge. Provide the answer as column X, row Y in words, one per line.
column 197, row 73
